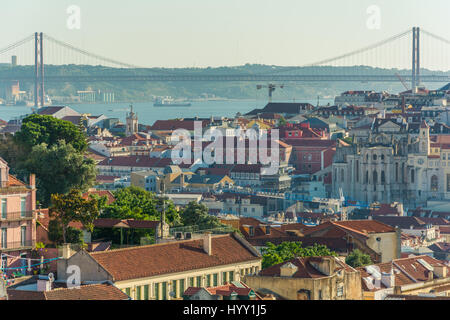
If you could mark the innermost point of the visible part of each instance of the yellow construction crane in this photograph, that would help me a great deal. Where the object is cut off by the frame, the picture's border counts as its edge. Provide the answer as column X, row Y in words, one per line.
column 271, row 88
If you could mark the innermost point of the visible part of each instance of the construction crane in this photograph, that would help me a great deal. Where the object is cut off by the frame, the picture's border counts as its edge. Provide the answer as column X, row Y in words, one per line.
column 271, row 88
column 402, row 81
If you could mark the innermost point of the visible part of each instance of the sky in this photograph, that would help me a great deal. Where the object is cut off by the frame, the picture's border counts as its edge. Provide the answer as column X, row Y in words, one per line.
column 202, row 33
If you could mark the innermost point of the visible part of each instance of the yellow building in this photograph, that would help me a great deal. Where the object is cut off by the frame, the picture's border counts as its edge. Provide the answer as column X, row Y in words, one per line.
column 164, row 271
column 408, row 276
column 310, row 278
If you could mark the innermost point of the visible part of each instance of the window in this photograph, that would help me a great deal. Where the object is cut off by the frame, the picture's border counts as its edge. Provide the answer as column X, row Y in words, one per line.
column 23, row 207
column 146, row 288
column 208, row 280
column 164, row 290
column 174, row 288
column 128, row 291
column 231, row 276
column 191, row 282
column 3, row 208
column 199, row 281
column 138, row 292
column 320, row 294
column 340, row 291
column 383, row 177
column 215, row 279
column 434, row 183
column 4, row 238
column 4, row 262
column 412, row 176
column 156, row 291
column 181, row 287
column 251, row 231
column 23, row 236
column 357, row 170
column 224, row 277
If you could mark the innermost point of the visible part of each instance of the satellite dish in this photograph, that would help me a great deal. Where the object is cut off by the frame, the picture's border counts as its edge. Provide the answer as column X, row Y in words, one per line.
column 172, row 294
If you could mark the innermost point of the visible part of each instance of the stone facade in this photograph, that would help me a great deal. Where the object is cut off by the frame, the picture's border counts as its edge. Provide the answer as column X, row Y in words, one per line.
column 393, row 165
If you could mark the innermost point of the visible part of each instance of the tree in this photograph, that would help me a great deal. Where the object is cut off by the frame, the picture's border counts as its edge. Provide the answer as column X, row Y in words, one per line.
column 138, row 204
column 73, row 207
column 58, row 169
column 37, row 129
column 285, row 251
column 282, row 122
column 196, row 214
column 357, row 258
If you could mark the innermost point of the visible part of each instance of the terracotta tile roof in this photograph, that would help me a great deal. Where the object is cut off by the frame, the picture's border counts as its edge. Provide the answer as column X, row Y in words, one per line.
column 14, row 182
column 136, row 161
column 406, row 271
column 311, row 143
column 101, row 193
column 147, row 261
column 165, row 125
column 338, row 229
column 403, row 222
column 440, row 247
column 85, row 292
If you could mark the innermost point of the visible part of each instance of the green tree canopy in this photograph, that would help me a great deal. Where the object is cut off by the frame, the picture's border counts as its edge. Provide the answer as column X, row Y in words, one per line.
column 73, row 207
column 196, row 214
column 357, row 258
column 58, row 169
column 285, row 251
column 139, row 204
column 37, row 129
column 282, row 121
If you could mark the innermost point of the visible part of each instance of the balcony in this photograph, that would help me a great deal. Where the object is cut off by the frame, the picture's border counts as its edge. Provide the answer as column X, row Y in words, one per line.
column 17, row 245
column 16, row 216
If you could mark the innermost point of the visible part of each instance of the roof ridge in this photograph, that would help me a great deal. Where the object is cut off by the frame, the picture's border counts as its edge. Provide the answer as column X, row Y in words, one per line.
column 154, row 245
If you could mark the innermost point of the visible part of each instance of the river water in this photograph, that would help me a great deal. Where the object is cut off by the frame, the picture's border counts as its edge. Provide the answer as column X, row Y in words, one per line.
column 148, row 114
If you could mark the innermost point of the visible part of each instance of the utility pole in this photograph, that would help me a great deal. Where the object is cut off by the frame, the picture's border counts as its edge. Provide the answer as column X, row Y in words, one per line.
column 163, row 214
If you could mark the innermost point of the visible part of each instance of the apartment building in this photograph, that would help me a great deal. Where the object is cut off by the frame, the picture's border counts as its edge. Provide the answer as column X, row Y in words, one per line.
column 164, row 271
column 17, row 218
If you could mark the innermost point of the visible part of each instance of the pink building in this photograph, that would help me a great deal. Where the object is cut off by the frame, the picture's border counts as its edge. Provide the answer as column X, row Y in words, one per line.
column 17, row 219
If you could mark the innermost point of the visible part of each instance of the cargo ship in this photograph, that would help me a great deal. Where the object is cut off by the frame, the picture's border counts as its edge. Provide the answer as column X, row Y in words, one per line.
column 169, row 102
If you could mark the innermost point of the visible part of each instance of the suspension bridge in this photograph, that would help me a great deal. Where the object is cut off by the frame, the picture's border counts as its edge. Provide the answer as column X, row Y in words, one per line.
column 414, row 56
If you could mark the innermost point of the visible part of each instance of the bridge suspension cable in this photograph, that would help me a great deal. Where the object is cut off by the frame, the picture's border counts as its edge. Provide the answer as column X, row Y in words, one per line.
column 362, row 50
column 17, row 44
column 89, row 54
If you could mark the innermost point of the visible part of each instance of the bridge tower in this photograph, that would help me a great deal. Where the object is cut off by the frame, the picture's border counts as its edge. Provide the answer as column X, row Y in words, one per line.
column 415, row 60
column 39, row 93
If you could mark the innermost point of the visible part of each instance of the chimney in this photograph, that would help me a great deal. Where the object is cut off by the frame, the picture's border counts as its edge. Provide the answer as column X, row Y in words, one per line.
column 32, row 181
column 44, row 283
column 440, row 271
column 430, row 275
column 66, row 251
column 207, row 243
column 388, row 279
